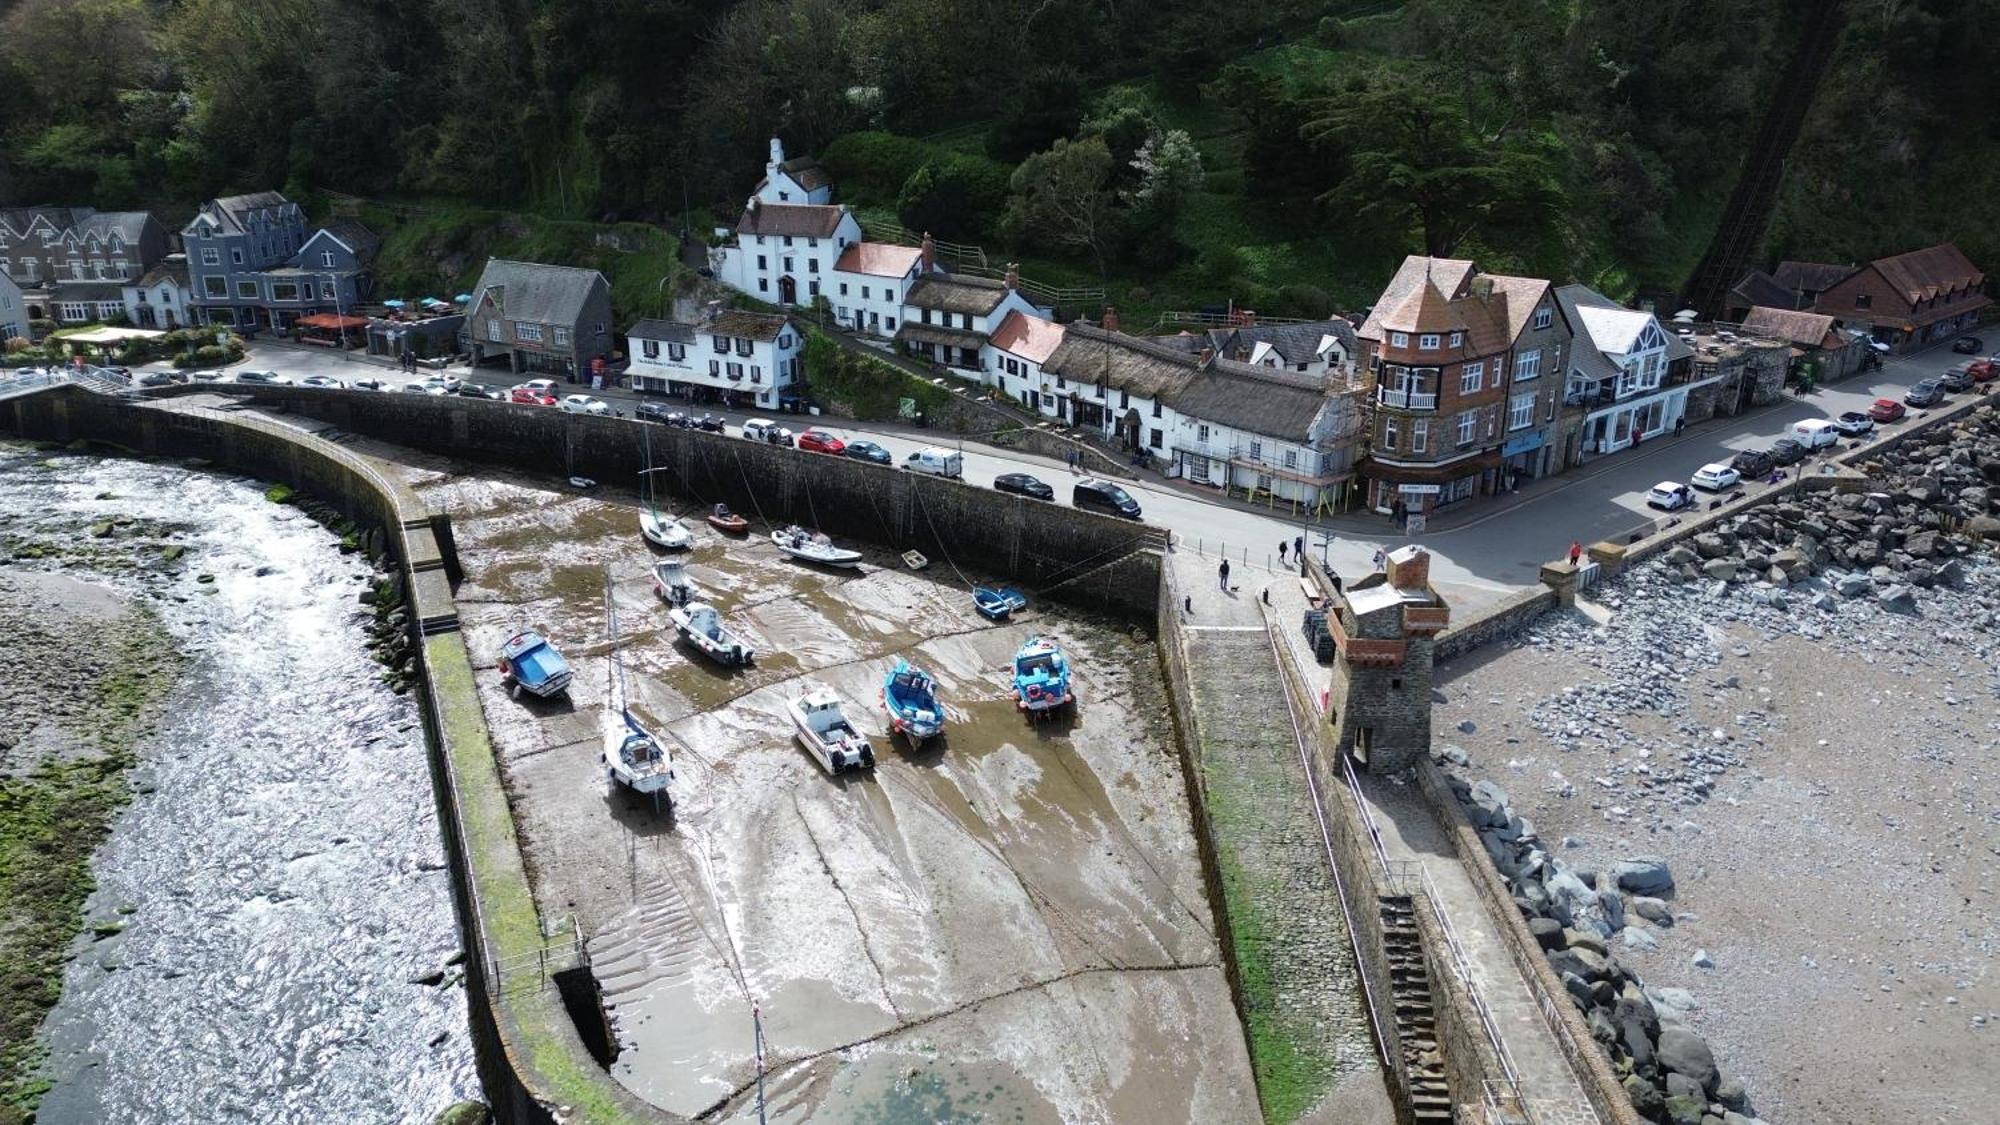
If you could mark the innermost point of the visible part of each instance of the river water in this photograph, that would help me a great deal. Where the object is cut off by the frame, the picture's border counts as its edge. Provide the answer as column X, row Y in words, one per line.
column 279, row 875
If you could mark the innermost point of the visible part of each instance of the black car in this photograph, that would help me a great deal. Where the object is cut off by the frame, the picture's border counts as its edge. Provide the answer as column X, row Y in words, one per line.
column 1787, row 451
column 1968, row 345
column 1022, row 484
column 1926, row 393
column 479, row 390
column 153, row 379
column 865, row 450
column 1103, row 496
column 657, row 412
column 1752, row 464
column 713, row 423
column 1956, row 381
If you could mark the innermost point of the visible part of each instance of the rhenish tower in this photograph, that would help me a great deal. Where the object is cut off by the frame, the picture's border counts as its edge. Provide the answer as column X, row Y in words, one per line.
column 1385, row 631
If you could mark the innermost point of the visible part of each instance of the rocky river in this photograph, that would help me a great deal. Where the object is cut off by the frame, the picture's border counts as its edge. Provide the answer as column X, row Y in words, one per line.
column 270, row 936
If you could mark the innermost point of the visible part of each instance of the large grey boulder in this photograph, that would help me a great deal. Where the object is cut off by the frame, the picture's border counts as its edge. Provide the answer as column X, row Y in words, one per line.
column 1548, row 932
column 1489, row 805
column 1710, row 545
column 1684, row 1052
column 1898, row 599
column 1722, row 570
column 1681, row 1086
column 1653, row 910
column 1853, row 585
column 1643, row 875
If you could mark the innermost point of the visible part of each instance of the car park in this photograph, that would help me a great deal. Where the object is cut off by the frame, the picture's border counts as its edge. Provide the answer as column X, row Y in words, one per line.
column 263, row 378
column 1715, row 477
column 584, row 404
column 1752, row 463
column 819, row 441
column 1926, row 393
column 1669, row 496
column 1813, row 433
column 1854, row 423
column 864, row 450
column 1024, row 484
column 1955, row 380
column 1968, row 345
column 1103, row 496
column 936, row 462
column 324, row 382
column 1787, row 451
column 1886, row 410
column 531, row 396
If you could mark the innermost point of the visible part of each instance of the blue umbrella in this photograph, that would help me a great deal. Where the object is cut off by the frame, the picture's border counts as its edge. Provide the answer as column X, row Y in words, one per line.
column 463, row 298
column 392, row 304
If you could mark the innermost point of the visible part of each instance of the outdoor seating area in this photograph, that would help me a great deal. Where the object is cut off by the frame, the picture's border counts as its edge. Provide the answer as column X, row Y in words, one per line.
column 331, row 330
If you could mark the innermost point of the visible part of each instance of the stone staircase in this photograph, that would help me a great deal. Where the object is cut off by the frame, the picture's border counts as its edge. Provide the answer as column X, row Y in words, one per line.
column 1416, row 1022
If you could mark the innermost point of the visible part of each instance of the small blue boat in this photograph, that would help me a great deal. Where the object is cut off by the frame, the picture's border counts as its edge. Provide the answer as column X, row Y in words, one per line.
column 530, row 663
column 994, row 604
column 1041, row 677
column 910, row 696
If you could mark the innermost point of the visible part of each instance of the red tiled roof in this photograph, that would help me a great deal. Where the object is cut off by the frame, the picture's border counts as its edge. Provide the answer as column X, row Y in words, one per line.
column 878, row 259
column 1448, row 274
column 1029, row 337
column 1922, row 274
column 1423, row 309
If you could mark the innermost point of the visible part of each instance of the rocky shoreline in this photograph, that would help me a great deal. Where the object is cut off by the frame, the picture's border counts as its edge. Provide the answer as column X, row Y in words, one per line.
column 1902, row 572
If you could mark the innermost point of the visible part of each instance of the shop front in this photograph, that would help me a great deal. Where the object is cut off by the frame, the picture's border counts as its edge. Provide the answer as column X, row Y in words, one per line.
column 1630, row 423
column 1524, row 457
column 1423, row 489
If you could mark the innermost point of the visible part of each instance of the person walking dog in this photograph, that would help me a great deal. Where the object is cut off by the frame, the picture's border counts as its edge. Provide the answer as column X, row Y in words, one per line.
column 1222, row 573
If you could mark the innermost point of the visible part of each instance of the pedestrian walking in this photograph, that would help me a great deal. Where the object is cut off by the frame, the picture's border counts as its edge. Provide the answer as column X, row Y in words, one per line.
column 1187, row 604
column 1267, row 595
column 1381, row 558
column 1281, row 549
column 1336, row 584
column 1299, row 549
column 1680, row 423
column 1223, row 573
column 1575, row 553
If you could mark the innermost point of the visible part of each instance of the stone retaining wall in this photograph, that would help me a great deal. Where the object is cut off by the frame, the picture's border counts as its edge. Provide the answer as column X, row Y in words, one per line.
column 1503, row 620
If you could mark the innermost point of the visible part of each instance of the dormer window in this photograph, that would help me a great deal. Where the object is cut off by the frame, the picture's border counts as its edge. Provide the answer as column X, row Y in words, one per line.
column 1428, row 342
column 1457, row 340
column 1399, row 339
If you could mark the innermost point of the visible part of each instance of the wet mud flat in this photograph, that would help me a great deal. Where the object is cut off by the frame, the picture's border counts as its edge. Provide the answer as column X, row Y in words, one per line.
column 1007, row 925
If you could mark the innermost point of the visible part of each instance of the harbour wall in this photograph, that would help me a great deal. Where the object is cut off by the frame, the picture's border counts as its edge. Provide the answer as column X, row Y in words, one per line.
column 533, row 1065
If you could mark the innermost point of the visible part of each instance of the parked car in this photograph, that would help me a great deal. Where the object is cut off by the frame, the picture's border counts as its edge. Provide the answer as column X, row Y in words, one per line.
column 584, row 404
column 1854, row 423
column 153, row 379
column 1968, row 345
column 792, row 402
column 1669, row 495
column 1814, row 433
column 1926, row 393
column 865, row 450
column 1956, row 380
column 1982, row 370
column 765, row 430
column 420, row 387
column 263, row 378
column 937, row 462
column 1787, row 451
column 209, row 377
column 530, row 396
column 1752, row 463
column 819, row 441
column 1716, row 476
column 546, row 386
column 656, row 412
column 1103, row 496
column 713, row 423
column 1886, row 410
column 1023, row 484
column 476, row 390
column 326, row 382
column 368, row 385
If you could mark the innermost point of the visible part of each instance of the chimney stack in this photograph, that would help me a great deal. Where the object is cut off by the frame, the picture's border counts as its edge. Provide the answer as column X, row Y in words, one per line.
column 1249, row 318
column 1482, row 287
column 927, row 253
column 1410, row 569
column 711, row 310
column 1013, row 275
column 777, row 153
column 1207, row 357
column 1110, row 319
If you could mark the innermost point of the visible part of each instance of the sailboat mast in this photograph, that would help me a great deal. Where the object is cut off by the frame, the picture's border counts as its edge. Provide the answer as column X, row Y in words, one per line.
column 757, row 1022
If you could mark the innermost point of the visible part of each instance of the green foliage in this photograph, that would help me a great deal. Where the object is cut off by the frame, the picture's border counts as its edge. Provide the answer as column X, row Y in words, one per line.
column 958, row 197
column 869, row 387
column 1062, row 200
column 1049, row 107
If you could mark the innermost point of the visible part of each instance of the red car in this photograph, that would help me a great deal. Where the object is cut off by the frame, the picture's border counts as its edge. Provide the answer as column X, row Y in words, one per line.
column 1886, row 410
column 531, row 396
column 1982, row 371
column 819, row 441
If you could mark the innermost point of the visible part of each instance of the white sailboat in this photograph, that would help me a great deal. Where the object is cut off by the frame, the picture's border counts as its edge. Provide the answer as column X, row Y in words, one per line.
column 814, row 547
column 632, row 756
column 663, row 529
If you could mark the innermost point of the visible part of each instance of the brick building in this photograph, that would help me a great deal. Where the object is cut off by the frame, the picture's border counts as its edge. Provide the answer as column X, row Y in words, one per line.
column 1385, row 630
column 1909, row 300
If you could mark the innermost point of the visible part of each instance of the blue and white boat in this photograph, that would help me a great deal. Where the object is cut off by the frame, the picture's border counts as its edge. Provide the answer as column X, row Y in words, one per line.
column 1041, row 677
column 996, row 603
column 910, row 696
column 528, row 662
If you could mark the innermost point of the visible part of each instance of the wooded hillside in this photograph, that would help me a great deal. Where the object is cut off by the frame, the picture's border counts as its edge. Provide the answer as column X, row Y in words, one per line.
column 1180, row 152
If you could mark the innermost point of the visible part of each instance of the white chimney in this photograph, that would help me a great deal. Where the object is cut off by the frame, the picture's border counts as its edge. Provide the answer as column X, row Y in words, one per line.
column 777, row 154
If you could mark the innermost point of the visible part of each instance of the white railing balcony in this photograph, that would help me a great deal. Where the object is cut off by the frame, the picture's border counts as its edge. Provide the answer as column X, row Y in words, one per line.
column 1406, row 400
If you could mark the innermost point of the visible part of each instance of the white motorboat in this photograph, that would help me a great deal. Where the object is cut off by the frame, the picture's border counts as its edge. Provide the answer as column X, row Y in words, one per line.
column 663, row 529
column 813, row 547
column 702, row 626
column 824, row 729
column 671, row 582
column 632, row 756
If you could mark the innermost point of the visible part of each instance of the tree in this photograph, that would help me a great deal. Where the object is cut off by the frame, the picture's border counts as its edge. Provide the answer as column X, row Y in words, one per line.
column 1048, row 106
column 1060, row 199
column 1414, row 157
column 948, row 198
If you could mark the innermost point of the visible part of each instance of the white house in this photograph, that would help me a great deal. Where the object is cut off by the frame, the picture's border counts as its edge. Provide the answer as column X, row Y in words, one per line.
column 163, row 298
column 784, row 252
column 739, row 357
column 13, row 310
column 871, row 280
column 1317, row 347
column 798, row 180
column 1097, row 378
column 948, row 318
column 1266, row 432
column 1619, row 371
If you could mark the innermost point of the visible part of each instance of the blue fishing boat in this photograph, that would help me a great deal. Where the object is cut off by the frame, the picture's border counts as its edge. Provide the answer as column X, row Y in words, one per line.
column 910, row 696
column 994, row 604
column 528, row 662
column 1041, row 677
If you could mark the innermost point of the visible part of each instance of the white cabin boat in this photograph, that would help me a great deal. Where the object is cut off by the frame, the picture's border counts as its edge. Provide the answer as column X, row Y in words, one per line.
column 672, row 584
column 702, row 626
column 633, row 758
column 664, row 530
column 825, row 731
column 811, row 546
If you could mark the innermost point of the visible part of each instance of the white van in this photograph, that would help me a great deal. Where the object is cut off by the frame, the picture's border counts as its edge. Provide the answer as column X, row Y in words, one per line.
column 1816, row 432
column 937, row 462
